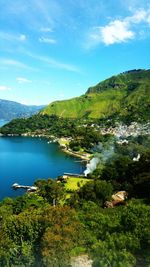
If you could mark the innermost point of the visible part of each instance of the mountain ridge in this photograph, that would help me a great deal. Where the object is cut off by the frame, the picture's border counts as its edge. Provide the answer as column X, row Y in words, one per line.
column 121, row 95
column 11, row 109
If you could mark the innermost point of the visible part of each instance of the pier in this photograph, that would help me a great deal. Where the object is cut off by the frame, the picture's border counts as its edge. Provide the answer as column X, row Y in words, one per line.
column 27, row 187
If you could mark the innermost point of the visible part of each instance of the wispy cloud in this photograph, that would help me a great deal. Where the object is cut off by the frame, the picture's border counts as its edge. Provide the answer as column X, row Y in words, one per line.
column 54, row 63
column 23, row 80
column 12, row 37
column 35, row 15
column 16, row 64
column 118, row 30
column 46, row 29
column 4, row 88
column 47, row 40
column 13, row 63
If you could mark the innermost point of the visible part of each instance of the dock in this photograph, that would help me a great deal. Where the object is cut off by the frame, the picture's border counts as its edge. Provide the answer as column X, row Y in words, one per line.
column 27, row 187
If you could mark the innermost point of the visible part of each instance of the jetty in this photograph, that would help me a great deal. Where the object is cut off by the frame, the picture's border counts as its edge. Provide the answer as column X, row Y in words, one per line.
column 27, row 187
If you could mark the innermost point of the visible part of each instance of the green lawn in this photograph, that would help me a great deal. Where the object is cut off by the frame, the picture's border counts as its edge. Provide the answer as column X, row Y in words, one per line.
column 72, row 183
column 63, row 141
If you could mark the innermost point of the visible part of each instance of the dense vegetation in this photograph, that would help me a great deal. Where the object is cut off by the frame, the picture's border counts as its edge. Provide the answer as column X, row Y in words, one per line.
column 40, row 124
column 125, row 96
column 48, row 228
column 10, row 110
column 60, row 220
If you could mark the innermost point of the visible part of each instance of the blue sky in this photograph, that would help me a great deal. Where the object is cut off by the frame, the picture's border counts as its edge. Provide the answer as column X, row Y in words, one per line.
column 55, row 49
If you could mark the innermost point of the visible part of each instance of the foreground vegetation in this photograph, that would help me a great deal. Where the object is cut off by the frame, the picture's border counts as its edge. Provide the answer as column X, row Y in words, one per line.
column 47, row 228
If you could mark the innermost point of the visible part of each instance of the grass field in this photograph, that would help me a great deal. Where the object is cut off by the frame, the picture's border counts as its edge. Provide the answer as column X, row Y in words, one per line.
column 75, row 183
column 63, row 141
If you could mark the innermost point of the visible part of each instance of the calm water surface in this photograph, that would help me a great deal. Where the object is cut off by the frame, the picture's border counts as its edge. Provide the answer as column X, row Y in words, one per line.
column 25, row 159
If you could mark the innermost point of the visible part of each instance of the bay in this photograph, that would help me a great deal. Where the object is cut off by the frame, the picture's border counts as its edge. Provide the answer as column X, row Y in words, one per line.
column 26, row 159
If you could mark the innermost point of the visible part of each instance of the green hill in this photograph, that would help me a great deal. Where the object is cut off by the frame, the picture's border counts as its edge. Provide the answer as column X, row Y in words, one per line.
column 124, row 95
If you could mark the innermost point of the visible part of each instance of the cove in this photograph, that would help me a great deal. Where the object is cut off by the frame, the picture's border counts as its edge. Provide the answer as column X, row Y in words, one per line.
column 26, row 159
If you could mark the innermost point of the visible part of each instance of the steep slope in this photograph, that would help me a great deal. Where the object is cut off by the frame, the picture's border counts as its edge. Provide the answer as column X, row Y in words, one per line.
column 10, row 110
column 124, row 95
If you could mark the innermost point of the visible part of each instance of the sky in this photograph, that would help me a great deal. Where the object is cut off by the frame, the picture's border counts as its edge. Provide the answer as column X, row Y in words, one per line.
column 56, row 49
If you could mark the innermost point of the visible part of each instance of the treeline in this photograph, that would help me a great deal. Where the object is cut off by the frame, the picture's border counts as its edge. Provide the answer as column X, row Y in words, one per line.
column 42, row 124
column 39, row 124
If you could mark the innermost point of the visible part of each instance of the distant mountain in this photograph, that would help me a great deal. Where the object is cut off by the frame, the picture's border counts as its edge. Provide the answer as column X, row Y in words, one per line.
column 10, row 110
column 126, row 95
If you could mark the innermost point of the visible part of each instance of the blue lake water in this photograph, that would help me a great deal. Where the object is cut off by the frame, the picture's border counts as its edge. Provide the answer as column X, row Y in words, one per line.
column 25, row 159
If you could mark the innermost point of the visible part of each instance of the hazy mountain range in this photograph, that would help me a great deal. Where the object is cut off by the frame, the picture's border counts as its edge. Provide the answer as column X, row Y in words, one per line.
column 10, row 110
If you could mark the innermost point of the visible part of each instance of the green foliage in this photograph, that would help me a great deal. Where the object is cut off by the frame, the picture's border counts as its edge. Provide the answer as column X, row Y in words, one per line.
column 43, row 235
column 135, row 219
column 63, row 234
column 50, row 190
column 24, row 202
column 96, row 191
column 48, row 125
column 126, row 174
column 105, row 256
column 126, row 96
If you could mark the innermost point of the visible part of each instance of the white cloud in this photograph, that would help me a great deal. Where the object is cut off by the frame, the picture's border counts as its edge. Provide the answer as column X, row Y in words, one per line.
column 118, row 30
column 4, row 88
column 22, row 37
column 46, row 29
column 23, row 80
column 47, row 40
column 139, row 16
column 12, row 37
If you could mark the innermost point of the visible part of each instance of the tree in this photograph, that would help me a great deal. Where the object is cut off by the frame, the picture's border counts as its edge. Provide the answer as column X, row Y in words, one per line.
column 63, row 233
column 97, row 191
column 50, row 190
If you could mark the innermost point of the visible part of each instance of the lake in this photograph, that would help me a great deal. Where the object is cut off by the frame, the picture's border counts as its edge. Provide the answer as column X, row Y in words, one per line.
column 25, row 159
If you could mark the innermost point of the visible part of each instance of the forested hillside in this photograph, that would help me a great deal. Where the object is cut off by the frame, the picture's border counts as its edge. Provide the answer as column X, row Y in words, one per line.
column 123, row 96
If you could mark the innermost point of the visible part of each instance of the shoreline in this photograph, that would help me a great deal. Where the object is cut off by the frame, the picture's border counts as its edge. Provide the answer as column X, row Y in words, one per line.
column 85, row 157
column 76, row 154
